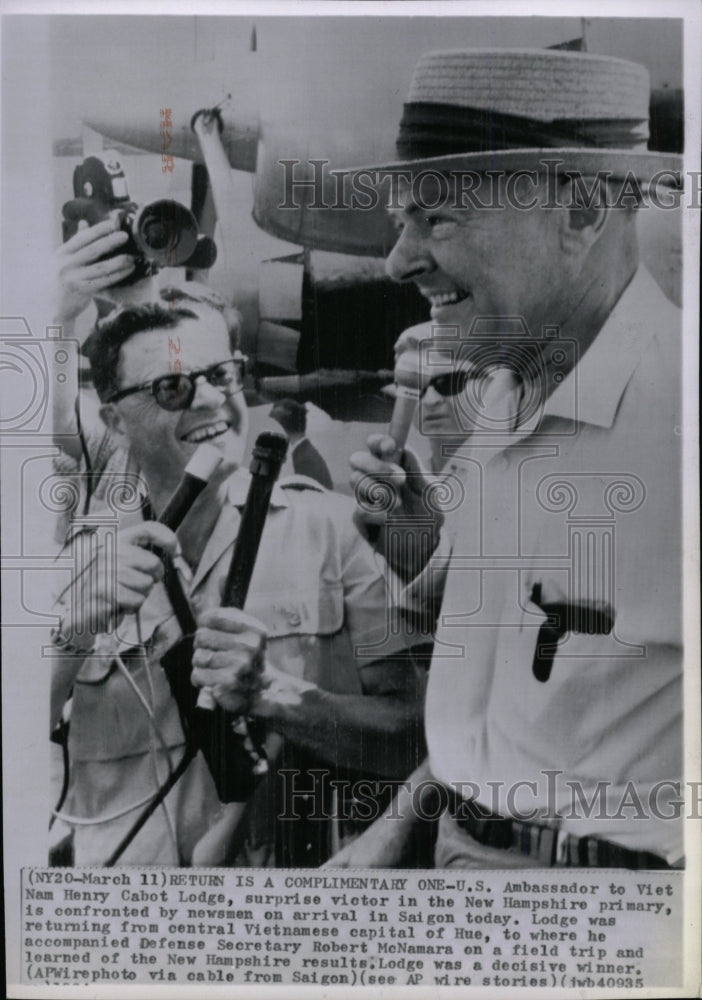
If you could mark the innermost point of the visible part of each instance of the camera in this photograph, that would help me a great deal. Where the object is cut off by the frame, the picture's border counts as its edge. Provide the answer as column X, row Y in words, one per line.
column 162, row 233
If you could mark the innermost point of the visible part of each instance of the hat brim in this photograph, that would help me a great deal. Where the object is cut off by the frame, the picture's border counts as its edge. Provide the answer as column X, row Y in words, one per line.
column 644, row 166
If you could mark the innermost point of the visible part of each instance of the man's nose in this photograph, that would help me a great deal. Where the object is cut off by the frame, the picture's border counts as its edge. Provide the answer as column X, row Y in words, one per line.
column 409, row 258
column 431, row 398
column 207, row 396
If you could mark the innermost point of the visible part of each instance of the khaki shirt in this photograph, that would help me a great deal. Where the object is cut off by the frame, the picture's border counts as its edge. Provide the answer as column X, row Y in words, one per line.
column 322, row 595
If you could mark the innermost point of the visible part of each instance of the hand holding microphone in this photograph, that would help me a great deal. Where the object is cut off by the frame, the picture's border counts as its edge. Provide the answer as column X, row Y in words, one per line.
column 388, row 482
column 228, row 663
column 378, row 478
column 233, row 756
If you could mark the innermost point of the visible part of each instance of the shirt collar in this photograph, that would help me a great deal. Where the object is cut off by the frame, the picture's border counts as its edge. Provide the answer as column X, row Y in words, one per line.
column 592, row 391
column 238, row 489
column 227, row 526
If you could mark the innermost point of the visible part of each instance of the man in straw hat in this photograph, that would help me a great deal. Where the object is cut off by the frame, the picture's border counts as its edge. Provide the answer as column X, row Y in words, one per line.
column 554, row 706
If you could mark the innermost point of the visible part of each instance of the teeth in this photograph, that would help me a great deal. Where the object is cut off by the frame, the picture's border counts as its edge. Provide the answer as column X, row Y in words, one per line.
column 446, row 298
column 206, row 433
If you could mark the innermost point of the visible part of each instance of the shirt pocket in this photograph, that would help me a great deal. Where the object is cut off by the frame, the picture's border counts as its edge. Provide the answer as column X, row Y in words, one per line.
column 311, row 611
column 108, row 721
column 306, row 635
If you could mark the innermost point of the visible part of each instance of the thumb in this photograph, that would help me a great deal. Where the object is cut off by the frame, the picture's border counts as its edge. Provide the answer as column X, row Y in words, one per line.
column 151, row 533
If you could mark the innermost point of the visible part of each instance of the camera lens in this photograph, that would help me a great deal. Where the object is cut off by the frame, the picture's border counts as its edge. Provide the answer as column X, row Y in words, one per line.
column 166, row 232
column 157, row 236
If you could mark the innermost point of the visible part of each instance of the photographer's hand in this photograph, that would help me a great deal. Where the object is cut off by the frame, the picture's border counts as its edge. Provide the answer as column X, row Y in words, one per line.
column 79, row 273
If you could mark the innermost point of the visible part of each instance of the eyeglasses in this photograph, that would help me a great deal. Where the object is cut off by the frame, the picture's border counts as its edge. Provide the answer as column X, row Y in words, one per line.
column 177, row 391
column 450, row 383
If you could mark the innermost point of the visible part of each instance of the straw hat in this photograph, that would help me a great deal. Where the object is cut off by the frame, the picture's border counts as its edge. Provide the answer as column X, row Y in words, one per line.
column 484, row 109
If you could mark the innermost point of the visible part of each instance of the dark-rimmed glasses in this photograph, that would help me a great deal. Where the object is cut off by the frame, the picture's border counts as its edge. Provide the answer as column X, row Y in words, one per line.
column 176, row 391
column 450, row 383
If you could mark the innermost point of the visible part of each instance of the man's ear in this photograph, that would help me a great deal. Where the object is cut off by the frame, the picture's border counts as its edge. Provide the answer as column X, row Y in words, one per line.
column 581, row 227
column 112, row 419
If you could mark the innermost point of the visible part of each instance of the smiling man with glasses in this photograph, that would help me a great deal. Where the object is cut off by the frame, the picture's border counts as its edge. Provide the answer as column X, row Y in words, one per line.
column 317, row 595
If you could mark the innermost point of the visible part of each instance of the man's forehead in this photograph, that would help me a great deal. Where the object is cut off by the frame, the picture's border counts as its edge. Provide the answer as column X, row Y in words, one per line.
column 427, row 190
column 418, row 191
column 204, row 334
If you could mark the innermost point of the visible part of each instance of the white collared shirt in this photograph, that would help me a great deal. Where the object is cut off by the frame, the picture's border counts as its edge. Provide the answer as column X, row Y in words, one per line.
column 587, row 509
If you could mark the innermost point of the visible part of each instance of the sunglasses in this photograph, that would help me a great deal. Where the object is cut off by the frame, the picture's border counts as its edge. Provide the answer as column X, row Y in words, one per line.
column 177, row 391
column 451, row 383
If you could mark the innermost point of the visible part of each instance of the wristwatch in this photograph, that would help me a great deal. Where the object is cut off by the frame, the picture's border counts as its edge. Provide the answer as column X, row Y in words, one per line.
column 64, row 644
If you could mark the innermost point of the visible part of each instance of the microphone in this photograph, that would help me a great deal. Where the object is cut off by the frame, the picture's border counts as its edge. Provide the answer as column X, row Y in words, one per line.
column 408, row 393
column 267, row 459
column 216, row 731
column 196, row 476
column 234, row 761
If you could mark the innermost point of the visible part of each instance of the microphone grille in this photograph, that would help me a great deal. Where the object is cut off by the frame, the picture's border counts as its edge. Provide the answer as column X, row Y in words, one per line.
column 270, row 448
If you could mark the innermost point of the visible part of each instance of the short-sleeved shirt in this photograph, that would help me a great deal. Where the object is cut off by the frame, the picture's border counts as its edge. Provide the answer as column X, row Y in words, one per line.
column 583, row 513
column 322, row 594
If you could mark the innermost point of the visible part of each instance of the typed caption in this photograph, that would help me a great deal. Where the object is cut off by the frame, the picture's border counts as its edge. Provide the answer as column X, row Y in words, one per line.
column 570, row 929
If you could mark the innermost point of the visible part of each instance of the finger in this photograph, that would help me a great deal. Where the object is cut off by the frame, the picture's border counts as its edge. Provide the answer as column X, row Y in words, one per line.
column 215, row 639
column 108, row 282
column 366, row 466
column 235, row 676
column 228, row 678
column 135, row 579
column 231, row 620
column 132, row 597
column 91, row 273
column 85, row 236
column 381, row 445
column 386, row 447
column 142, row 560
column 234, row 702
column 150, row 533
column 98, row 248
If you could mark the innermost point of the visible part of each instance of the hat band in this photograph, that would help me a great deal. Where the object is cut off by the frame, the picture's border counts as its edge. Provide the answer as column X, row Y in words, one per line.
column 428, row 130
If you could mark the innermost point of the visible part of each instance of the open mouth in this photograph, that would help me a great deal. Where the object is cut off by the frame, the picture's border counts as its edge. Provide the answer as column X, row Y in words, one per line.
column 207, row 432
column 440, row 299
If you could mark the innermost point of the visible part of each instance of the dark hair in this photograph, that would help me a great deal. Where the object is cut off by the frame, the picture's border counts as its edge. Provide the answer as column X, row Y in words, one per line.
column 105, row 342
column 203, row 295
column 291, row 415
